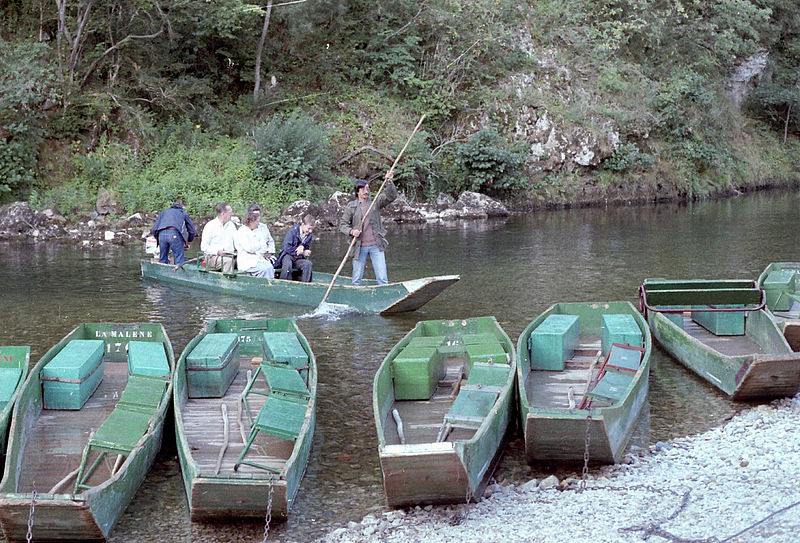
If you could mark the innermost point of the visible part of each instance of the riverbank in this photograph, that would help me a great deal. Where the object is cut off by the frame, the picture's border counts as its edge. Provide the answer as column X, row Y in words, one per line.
column 734, row 483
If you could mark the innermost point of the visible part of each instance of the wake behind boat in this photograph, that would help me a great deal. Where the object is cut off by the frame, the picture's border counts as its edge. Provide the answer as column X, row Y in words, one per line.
column 368, row 298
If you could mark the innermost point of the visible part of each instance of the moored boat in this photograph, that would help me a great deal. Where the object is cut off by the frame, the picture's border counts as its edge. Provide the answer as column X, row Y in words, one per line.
column 442, row 400
column 85, row 430
column 14, row 362
column 721, row 330
column 781, row 284
column 370, row 297
column 583, row 373
column 245, row 401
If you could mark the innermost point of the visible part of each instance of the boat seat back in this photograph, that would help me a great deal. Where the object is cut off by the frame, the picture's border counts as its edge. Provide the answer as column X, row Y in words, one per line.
column 9, row 379
column 612, row 387
column 70, row 378
column 624, row 358
column 283, row 379
column 471, row 407
column 142, row 393
column 148, row 358
column 489, row 374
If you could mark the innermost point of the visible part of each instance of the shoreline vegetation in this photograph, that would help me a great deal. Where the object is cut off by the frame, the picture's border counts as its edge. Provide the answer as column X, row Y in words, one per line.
column 535, row 104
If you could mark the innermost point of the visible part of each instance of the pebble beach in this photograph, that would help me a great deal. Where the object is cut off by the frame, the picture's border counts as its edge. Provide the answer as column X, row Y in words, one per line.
column 734, row 483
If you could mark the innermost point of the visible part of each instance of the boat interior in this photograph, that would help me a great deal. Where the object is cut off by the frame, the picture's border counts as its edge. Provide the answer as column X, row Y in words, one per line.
column 566, row 388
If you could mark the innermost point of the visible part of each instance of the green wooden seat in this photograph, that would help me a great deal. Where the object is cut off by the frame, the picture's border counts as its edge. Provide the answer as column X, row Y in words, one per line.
column 488, row 374
column 280, row 417
column 611, row 387
column 142, row 393
column 471, row 407
column 148, row 358
column 624, row 358
column 284, row 347
column 119, row 434
column 619, row 328
column 212, row 365
column 9, row 379
column 416, row 372
column 285, row 380
column 72, row 376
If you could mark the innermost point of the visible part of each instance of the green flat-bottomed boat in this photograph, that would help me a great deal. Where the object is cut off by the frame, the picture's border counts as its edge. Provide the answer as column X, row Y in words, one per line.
column 442, row 400
column 245, row 401
column 721, row 330
column 368, row 298
column 85, row 430
column 14, row 362
column 582, row 363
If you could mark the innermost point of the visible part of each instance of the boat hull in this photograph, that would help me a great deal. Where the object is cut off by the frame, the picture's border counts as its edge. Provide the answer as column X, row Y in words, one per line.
column 441, row 472
column 369, row 298
column 228, row 494
column 559, row 434
column 91, row 514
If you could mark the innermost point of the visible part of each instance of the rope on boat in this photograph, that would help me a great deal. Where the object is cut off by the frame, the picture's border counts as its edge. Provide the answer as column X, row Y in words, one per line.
column 224, row 436
column 117, row 463
column 64, row 481
column 444, row 431
column 239, row 420
column 399, row 422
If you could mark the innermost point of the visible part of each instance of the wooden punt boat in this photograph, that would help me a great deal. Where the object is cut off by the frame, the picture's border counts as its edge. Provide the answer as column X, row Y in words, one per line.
column 369, row 298
column 440, row 436
column 274, row 464
column 569, row 378
column 720, row 330
column 781, row 284
column 14, row 362
column 53, row 433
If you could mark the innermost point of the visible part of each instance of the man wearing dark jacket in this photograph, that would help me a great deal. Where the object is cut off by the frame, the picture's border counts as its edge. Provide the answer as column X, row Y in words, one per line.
column 173, row 230
column 296, row 250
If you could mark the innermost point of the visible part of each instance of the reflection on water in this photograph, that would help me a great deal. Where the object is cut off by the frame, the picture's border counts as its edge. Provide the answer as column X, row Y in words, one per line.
column 512, row 269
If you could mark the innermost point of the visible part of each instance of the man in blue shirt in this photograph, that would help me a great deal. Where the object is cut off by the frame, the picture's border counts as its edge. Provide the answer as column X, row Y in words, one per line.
column 296, row 250
column 174, row 231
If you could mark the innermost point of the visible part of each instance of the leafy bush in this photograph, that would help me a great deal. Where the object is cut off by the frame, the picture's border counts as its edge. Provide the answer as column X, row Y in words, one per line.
column 628, row 157
column 487, row 164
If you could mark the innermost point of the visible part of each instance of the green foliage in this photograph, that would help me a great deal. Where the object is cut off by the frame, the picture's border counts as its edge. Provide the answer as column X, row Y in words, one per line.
column 486, row 163
column 416, row 173
column 69, row 199
column 628, row 157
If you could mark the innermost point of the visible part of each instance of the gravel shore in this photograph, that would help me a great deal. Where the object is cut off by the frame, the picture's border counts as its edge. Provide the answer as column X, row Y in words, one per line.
column 734, row 483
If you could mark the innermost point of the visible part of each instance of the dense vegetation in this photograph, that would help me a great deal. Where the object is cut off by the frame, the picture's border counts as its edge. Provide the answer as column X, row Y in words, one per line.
column 273, row 101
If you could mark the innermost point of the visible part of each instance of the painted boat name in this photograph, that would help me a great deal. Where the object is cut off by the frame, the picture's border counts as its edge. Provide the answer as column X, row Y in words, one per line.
column 123, row 333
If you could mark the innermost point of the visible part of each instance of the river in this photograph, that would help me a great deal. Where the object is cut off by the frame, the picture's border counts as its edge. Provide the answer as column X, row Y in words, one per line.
column 512, row 269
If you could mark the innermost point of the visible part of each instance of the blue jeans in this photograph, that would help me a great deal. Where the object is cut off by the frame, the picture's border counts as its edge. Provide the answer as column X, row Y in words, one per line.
column 169, row 238
column 378, row 259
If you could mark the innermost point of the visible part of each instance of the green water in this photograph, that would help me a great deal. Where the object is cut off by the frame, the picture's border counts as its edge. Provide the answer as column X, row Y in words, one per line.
column 512, row 269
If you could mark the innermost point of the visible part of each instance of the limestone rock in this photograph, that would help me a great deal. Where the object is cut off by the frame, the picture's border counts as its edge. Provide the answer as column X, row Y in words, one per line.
column 16, row 218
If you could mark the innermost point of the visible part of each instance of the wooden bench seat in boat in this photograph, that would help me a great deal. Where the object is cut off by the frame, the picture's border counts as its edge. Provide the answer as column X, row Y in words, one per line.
column 142, row 393
column 721, row 323
column 285, row 380
column 471, row 407
column 619, row 328
column 212, row 365
column 611, row 387
column 416, row 372
column 72, row 376
column 281, row 417
column 148, row 358
column 614, row 375
column 777, row 286
column 624, row 358
column 553, row 342
column 494, row 375
column 9, row 379
column 285, row 348
column 490, row 353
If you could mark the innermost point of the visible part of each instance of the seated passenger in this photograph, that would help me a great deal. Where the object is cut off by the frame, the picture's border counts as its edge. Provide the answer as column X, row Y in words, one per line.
column 216, row 241
column 263, row 231
column 296, row 249
column 251, row 249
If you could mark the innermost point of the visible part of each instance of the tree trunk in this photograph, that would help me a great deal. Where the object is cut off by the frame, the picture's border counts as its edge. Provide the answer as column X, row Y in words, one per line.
column 260, row 51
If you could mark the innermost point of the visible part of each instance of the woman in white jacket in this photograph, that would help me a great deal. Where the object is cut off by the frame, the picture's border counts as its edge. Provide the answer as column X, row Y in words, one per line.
column 251, row 249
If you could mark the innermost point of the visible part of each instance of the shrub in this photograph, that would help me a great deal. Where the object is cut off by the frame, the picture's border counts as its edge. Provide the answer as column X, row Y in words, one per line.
column 485, row 163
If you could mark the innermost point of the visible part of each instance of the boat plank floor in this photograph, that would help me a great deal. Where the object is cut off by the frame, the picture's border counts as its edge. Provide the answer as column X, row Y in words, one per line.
column 58, row 436
column 422, row 419
column 727, row 345
column 203, row 427
column 550, row 389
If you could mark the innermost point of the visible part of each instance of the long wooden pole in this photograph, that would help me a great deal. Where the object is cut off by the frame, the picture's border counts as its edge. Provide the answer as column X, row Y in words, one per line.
column 364, row 218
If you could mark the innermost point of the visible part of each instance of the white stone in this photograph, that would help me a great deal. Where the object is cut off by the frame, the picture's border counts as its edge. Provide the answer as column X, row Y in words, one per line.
column 108, row 235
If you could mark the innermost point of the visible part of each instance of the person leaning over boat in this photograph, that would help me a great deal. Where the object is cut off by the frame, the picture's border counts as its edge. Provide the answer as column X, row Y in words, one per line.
column 263, row 231
column 216, row 242
column 371, row 240
column 297, row 248
column 173, row 230
column 251, row 249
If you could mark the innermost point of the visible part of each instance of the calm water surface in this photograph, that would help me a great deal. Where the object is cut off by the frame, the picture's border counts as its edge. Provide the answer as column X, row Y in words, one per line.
column 512, row 269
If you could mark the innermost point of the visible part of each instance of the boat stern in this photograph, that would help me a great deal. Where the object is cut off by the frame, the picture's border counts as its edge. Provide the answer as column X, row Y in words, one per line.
column 55, row 518
column 225, row 498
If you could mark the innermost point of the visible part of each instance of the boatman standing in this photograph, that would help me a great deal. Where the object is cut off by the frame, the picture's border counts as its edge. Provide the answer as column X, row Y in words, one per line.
column 371, row 239
column 217, row 240
column 174, row 231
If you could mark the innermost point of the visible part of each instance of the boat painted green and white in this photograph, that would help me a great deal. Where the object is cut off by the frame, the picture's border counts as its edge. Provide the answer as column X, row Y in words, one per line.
column 721, row 330
column 46, row 445
column 442, row 400
column 370, row 297
column 14, row 362
column 215, row 487
column 560, row 370
column 781, row 284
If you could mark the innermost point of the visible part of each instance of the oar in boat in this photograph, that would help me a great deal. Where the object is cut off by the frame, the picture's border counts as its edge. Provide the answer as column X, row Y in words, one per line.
column 363, row 220
column 179, row 266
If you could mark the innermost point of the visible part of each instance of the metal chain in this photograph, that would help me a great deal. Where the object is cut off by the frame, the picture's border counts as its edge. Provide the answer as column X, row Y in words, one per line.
column 268, row 517
column 29, row 537
column 586, row 442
